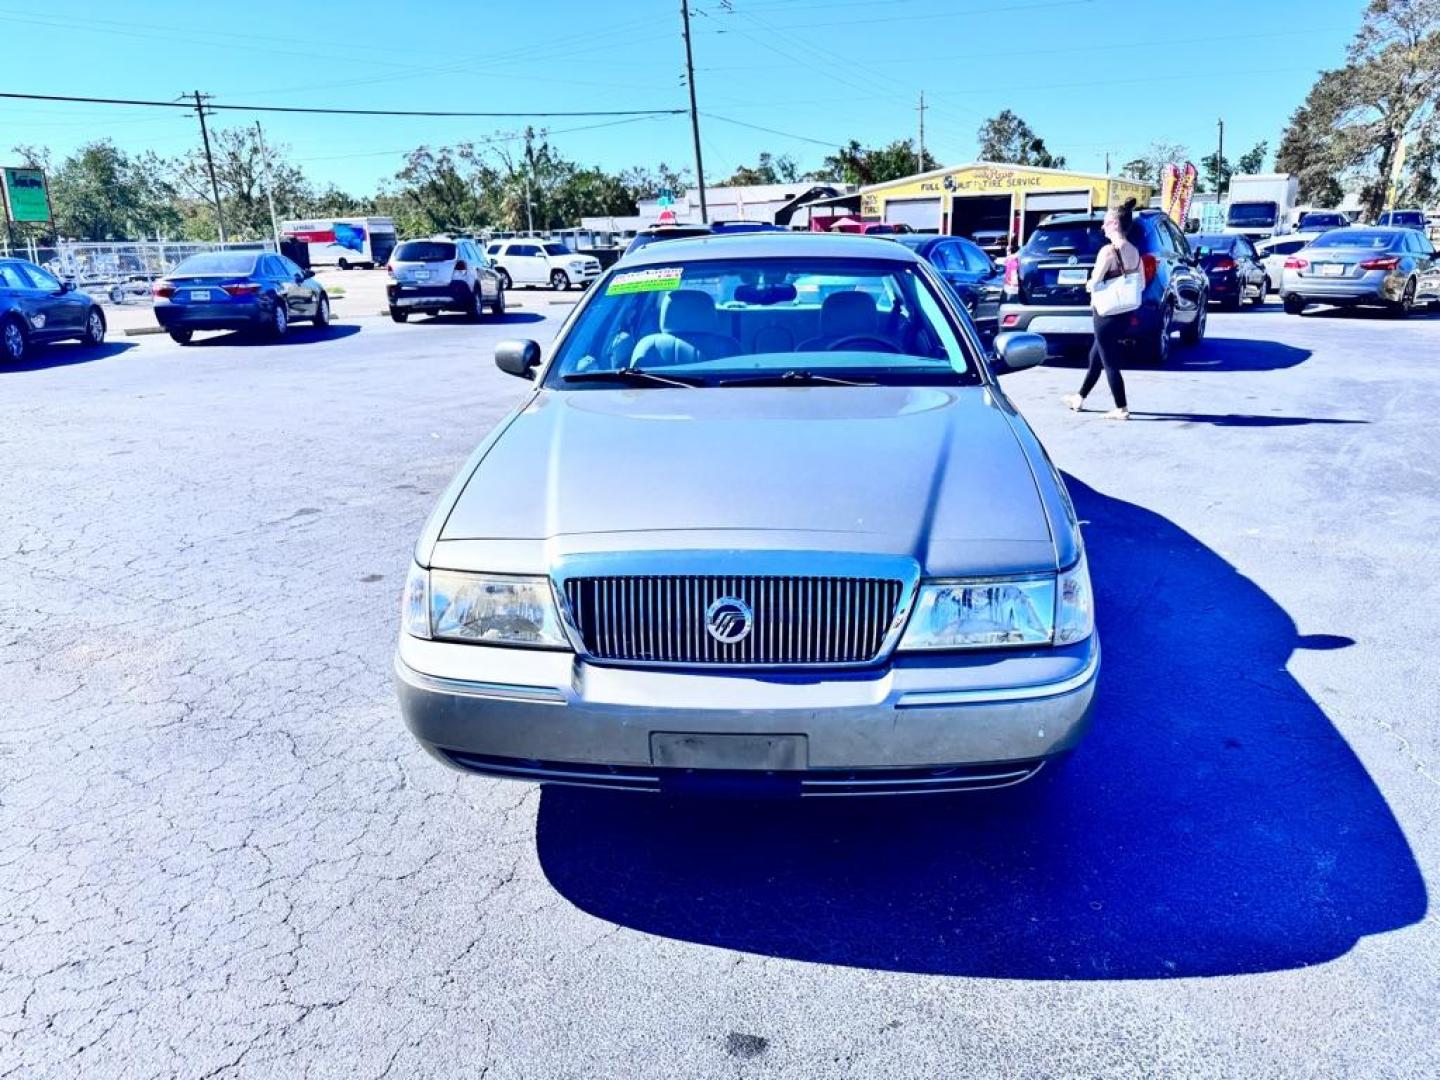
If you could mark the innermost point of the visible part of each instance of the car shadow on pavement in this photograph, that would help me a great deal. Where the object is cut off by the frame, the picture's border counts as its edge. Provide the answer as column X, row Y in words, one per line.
column 63, row 354
column 449, row 318
column 1214, row 821
column 298, row 334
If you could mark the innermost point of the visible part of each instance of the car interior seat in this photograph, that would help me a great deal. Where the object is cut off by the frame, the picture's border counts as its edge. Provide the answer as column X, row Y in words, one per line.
column 844, row 315
column 689, row 332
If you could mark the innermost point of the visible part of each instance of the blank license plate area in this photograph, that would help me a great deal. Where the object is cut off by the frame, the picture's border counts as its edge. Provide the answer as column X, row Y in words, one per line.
column 422, row 275
column 685, row 750
column 199, row 294
column 1331, row 269
column 1072, row 276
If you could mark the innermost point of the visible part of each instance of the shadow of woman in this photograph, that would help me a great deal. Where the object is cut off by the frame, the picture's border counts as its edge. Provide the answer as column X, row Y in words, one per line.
column 1214, row 822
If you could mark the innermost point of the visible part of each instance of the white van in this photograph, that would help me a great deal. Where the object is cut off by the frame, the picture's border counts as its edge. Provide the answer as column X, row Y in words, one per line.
column 343, row 242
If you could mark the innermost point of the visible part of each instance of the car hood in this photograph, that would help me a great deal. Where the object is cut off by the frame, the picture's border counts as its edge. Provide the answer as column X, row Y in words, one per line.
column 934, row 473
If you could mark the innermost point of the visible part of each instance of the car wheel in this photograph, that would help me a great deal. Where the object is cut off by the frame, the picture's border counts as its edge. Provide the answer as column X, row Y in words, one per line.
column 117, row 294
column 1194, row 334
column 14, row 342
column 322, row 312
column 1264, row 292
column 504, row 278
column 94, row 328
column 344, row 264
column 475, row 306
column 1294, row 305
column 398, row 315
column 1232, row 303
column 559, row 280
column 498, row 307
column 1156, row 350
column 1406, row 304
column 279, row 320
column 181, row 337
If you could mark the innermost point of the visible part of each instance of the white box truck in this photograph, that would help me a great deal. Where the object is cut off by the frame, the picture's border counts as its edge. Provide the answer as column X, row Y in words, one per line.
column 1260, row 206
column 343, row 242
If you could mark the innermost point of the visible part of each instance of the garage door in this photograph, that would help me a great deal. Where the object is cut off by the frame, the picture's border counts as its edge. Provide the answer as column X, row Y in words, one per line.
column 1059, row 202
column 922, row 215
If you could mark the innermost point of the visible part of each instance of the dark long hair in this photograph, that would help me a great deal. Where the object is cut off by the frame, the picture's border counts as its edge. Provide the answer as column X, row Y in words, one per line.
column 1125, row 216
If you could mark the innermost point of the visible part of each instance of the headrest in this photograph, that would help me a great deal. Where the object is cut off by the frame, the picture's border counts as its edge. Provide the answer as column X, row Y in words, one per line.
column 849, row 312
column 687, row 310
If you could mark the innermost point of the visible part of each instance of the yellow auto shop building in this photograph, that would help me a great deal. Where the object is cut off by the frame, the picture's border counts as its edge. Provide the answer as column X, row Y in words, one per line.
column 985, row 196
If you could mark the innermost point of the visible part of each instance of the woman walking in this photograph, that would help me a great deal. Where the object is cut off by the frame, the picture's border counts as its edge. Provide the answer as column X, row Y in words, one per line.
column 1117, row 259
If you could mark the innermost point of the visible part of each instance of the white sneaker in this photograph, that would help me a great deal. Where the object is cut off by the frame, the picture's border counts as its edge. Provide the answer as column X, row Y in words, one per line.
column 1073, row 402
column 1118, row 414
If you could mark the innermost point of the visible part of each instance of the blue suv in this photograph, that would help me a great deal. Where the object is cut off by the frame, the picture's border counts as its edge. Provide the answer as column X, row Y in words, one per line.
column 1045, row 287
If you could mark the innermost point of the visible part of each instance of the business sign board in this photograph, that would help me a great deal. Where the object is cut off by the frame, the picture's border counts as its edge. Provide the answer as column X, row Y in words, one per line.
column 1177, row 188
column 26, row 198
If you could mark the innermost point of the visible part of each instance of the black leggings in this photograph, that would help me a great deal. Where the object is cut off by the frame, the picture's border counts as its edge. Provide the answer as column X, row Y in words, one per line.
column 1105, row 353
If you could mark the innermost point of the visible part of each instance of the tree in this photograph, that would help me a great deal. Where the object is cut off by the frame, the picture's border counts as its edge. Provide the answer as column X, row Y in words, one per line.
column 1005, row 137
column 1356, row 120
column 240, row 176
column 646, row 183
column 443, row 189
column 768, row 170
column 1149, row 167
column 1253, row 160
column 854, row 164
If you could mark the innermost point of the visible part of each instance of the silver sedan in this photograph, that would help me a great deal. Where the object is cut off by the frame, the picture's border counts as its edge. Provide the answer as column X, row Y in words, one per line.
column 768, row 522
column 1392, row 268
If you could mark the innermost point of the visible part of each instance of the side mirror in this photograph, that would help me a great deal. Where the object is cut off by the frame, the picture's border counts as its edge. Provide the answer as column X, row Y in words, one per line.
column 1017, row 351
column 518, row 357
column 306, row 275
column 67, row 286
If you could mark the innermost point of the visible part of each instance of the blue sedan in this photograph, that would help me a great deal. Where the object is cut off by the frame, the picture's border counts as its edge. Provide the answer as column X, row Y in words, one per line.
column 966, row 269
column 238, row 290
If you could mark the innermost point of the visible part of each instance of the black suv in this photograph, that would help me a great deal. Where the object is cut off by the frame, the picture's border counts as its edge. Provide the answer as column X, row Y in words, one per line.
column 1045, row 287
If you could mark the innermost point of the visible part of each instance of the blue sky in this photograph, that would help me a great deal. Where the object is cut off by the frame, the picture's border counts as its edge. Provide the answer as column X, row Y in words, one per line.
column 1089, row 75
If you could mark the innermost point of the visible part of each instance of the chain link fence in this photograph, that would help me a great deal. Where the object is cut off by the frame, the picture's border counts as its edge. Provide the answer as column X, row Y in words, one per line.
column 120, row 272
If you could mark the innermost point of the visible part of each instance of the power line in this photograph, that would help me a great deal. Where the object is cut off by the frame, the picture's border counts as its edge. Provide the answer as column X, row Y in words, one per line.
column 337, row 112
column 773, row 131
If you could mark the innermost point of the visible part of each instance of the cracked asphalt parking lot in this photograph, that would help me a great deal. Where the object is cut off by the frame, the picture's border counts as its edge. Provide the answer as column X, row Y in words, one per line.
column 221, row 854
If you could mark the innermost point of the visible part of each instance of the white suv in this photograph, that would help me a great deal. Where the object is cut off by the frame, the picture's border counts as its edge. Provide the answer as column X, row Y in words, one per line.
column 443, row 275
column 542, row 262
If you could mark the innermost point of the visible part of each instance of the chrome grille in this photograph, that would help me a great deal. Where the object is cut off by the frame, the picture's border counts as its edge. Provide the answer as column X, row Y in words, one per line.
column 661, row 619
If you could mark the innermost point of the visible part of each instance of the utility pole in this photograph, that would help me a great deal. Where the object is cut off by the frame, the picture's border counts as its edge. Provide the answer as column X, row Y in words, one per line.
column 200, row 100
column 529, row 173
column 694, row 112
column 1219, row 155
column 269, row 187
column 920, row 157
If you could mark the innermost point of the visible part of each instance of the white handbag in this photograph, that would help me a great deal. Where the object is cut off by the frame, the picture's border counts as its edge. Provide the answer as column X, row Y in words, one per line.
column 1117, row 295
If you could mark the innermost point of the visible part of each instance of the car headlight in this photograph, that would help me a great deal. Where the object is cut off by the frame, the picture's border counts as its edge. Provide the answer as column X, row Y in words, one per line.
column 577, row 266
column 993, row 612
column 485, row 609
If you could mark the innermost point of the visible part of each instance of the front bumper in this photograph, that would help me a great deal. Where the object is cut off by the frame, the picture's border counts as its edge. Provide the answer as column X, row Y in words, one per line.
column 919, row 723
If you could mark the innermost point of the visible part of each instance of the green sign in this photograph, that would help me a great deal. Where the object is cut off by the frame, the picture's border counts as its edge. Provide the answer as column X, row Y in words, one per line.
column 25, row 195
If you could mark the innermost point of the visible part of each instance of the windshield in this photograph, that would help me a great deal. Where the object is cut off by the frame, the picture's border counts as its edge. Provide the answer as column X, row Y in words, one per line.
column 740, row 320
column 425, row 251
column 218, row 262
column 1260, row 214
column 1409, row 219
column 1073, row 238
column 1351, row 238
column 679, row 232
column 557, row 249
column 1323, row 221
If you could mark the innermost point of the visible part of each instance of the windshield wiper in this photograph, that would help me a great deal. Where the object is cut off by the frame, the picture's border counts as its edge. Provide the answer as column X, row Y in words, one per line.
column 629, row 375
column 787, row 377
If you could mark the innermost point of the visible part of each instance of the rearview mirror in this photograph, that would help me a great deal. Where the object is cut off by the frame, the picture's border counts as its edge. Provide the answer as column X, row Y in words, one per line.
column 1017, row 351
column 518, row 357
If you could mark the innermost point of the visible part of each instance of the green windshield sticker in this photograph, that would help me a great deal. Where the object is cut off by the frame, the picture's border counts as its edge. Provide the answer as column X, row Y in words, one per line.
column 659, row 279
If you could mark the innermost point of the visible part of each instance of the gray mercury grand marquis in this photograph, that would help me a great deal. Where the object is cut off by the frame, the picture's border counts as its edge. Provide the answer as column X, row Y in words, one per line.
column 766, row 523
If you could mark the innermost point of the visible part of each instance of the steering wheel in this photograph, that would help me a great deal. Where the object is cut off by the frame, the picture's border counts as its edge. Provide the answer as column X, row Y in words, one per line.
column 855, row 340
